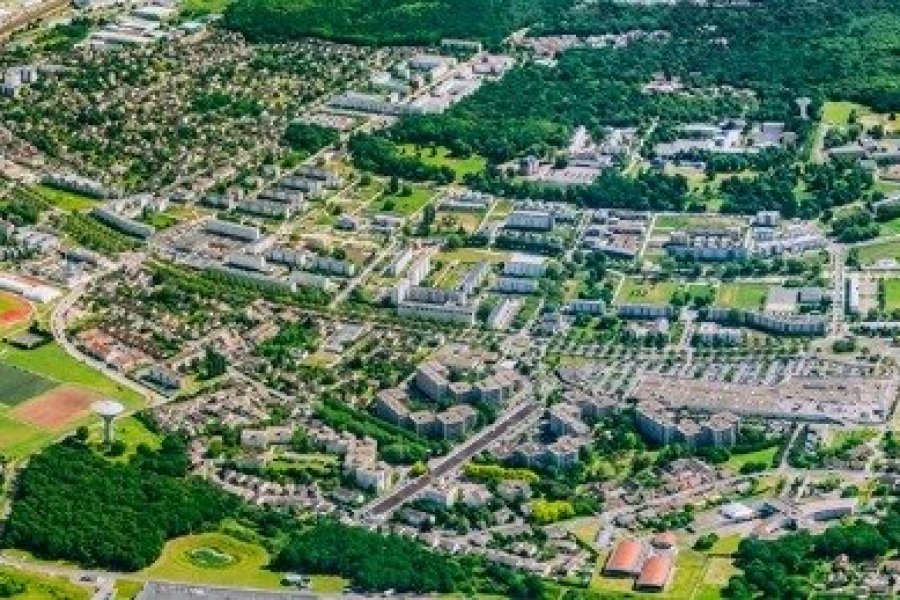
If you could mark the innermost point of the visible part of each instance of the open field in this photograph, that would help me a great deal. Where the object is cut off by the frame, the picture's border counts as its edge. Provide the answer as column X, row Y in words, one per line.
column 634, row 291
column 440, row 157
column 838, row 113
column 872, row 253
column 891, row 294
column 204, row 7
column 473, row 255
column 214, row 558
column 766, row 455
column 748, row 296
column 43, row 587
column 666, row 223
column 56, row 409
column 14, row 310
column 402, row 205
column 127, row 589
column 19, row 439
column 52, row 362
column 726, row 546
column 18, row 385
column 327, row 584
column 65, row 200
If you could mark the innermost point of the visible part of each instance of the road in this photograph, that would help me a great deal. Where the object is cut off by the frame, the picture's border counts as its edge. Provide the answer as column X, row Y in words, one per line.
column 383, row 506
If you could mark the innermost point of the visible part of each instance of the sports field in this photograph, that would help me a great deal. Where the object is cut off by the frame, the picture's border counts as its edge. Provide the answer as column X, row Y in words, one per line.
column 44, row 393
column 18, row 385
column 56, row 410
column 14, row 310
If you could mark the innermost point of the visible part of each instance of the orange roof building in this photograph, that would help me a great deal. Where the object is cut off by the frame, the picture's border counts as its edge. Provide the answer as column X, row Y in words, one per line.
column 655, row 573
column 625, row 559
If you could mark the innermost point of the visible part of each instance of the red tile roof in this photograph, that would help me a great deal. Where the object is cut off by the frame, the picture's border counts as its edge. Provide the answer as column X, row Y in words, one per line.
column 655, row 572
column 625, row 557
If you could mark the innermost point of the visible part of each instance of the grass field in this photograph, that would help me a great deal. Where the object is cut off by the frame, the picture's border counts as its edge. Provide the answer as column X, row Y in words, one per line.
column 52, row 362
column 127, row 589
column 473, row 255
column 838, row 113
column 65, row 200
column 891, row 294
column 19, row 439
column 327, row 584
column 872, row 253
column 666, row 223
column 43, row 587
column 635, row 291
column 766, row 455
column 747, row 296
column 237, row 563
column 196, row 8
column 726, row 546
column 402, row 205
column 18, row 385
column 461, row 166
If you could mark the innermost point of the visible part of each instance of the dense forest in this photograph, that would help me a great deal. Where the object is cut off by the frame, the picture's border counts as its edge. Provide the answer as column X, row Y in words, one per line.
column 780, row 51
column 379, row 562
column 74, row 505
column 385, row 22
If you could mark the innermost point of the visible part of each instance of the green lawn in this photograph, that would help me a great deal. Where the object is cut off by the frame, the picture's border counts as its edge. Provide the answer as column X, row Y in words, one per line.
column 43, row 587
column 237, row 563
column 18, row 385
column 872, row 253
column 20, row 439
column 725, row 546
column 838, row 113
column 327, row 584
column 766, row 455
column 665, row 223
column 52, row 362
column 402, row 205
column 160, row 220
column 127, row 589
column 196, row 8
column 747, row 296
column 64, row 199
column 473, row 255
column 636, row 291
column 441, row 158
column 891, row 294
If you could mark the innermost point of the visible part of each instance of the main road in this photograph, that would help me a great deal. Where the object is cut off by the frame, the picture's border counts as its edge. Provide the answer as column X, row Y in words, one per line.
column 383, row 506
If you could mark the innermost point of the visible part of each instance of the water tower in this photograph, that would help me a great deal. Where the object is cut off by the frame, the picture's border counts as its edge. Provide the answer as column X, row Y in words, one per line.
column 108, row 410
column 803, row 104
